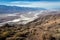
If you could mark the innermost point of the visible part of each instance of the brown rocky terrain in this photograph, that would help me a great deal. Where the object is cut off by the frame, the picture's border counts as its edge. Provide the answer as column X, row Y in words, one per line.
column 46, row 27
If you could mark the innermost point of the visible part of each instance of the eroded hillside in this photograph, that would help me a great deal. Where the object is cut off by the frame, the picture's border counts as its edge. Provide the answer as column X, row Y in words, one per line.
column 46, row 27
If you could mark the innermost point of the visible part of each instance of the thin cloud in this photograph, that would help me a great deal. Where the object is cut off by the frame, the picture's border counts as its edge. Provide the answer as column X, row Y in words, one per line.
column 47, row 5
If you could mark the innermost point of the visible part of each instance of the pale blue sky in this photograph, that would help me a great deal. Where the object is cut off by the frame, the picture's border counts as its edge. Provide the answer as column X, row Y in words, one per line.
column 48, row 4
column 28, row 0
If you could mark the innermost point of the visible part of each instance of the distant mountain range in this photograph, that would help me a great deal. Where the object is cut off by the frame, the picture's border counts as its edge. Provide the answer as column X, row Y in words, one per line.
column 15, row 9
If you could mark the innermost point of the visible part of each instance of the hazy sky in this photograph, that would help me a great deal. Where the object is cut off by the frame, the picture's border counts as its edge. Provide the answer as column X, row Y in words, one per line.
column 48, row 4
column 28, row 0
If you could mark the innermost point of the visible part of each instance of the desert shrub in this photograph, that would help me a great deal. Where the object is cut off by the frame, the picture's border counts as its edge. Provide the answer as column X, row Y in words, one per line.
column 17, row 38
column 8, row 25
column 57, row 36
column 59, row 24
column 52, row 38
column 5, row 34
column 21, row 34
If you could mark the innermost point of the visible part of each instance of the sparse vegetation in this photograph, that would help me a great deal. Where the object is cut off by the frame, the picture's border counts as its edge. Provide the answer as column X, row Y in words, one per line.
column 43, row 28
